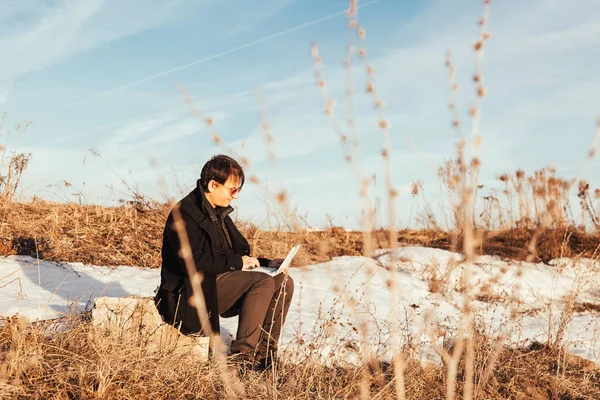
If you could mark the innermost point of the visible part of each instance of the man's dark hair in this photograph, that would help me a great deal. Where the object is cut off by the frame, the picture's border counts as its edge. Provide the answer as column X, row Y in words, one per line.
column 219, row 168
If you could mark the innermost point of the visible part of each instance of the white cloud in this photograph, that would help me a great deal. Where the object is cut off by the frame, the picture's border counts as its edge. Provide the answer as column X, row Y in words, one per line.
column 41, row 42
column 147, row 132
column 35, row 35
column 247, row 14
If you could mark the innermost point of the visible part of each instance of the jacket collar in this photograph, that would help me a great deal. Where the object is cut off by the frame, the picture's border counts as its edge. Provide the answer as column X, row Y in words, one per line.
column 213, row 213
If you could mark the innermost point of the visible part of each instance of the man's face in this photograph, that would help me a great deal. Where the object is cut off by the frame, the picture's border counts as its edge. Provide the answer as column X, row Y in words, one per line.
column 222, row 194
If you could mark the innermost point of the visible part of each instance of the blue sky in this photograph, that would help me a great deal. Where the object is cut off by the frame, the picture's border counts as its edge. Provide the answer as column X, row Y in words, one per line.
column 101, row 74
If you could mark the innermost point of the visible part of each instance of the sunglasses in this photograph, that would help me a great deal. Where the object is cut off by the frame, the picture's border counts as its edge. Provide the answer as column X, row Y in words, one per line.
column 232, row 191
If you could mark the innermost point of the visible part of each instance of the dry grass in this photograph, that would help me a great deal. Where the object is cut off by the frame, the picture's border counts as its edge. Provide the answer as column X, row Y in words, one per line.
column 131, row 235
column 84, row 363
column 90, row 234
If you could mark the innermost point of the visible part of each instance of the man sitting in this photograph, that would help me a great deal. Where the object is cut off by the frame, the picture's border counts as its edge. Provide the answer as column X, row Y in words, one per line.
column 222, row 255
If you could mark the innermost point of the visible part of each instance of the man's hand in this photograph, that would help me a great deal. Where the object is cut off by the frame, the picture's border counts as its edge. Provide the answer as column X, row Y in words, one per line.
column 249, row 263
column 276, row 263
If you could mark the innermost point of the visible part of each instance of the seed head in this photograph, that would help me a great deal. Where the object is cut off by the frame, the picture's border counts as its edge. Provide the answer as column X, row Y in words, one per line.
column 314, row 52
column 520, row 174
column 414, row 188
column 481, row 91
column 329, row 106
column 254, row 179
column 282, row 197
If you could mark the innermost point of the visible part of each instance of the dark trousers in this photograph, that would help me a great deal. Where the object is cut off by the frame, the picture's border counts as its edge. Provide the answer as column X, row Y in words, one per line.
column 262, row 303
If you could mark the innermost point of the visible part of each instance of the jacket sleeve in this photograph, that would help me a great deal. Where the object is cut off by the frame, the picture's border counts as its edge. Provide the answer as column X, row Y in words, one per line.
column 264, row 262
column 204, row 260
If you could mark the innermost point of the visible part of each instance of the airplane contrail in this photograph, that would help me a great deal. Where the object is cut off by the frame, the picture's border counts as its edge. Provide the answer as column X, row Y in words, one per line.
column 193, row 63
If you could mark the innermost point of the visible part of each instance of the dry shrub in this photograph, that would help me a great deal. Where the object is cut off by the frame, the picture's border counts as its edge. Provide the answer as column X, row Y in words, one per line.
column 132, row 235
column 513, row 243
column 12, row 162
column 40, row 361
column 318, row 246
column 89, row 234
column 535, row 371
column 82, row 363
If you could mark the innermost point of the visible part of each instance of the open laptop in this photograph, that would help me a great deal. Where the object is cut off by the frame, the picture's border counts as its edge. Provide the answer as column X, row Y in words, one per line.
column 284, row 265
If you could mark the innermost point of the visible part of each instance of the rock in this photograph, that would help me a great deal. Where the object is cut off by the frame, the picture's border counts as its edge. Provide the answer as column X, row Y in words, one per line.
column 137, row 318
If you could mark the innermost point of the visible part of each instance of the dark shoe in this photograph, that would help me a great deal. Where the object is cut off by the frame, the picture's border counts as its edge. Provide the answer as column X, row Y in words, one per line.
column 267, row 363
column 241, row 361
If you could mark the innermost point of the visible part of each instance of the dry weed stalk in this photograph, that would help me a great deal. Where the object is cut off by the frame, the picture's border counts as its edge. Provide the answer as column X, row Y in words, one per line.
column 467, row 185
column 233, row 386
column 12, row 163
column 367, row 223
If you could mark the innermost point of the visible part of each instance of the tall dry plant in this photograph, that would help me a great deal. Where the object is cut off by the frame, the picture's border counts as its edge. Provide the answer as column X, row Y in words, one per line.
column 356, row 47
column 12, row 162
column 466, row 181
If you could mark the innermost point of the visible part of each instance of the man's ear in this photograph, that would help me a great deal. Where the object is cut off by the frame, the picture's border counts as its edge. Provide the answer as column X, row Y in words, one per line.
column 212, row 185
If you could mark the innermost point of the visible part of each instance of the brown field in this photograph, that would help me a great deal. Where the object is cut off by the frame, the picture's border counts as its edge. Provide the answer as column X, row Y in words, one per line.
column 130, row 235
column 84, row 363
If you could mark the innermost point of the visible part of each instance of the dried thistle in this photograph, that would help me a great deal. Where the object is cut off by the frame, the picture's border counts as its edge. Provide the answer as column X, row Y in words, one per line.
column 414, row 188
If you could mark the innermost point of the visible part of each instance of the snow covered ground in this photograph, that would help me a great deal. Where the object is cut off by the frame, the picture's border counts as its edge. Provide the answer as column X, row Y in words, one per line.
column 338, row 302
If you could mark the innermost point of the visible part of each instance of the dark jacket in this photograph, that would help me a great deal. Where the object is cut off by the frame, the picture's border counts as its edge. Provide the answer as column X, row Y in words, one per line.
column 217, row 247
